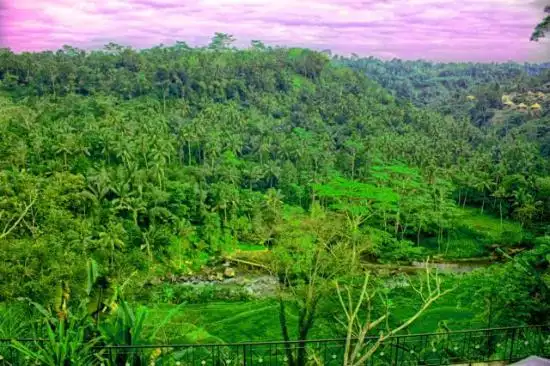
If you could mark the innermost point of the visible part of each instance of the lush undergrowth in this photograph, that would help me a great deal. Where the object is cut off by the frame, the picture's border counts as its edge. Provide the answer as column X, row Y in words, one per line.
column 126, row 175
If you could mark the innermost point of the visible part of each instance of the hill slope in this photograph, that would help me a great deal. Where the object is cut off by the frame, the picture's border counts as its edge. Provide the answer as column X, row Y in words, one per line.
column 154, row 160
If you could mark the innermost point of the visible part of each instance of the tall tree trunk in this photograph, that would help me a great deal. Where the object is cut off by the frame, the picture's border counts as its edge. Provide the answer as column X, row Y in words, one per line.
column 284, row 330
column 306, row 324
column 439, row 239
column 164, row 101
column 353, row 167
column 397, row 223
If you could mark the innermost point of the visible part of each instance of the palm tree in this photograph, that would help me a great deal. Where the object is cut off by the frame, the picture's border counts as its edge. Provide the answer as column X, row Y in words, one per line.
column 149, row 237
column 483, row 184
column 500, row 194
column 112, row 238
column 99, row 183
column 273, row 172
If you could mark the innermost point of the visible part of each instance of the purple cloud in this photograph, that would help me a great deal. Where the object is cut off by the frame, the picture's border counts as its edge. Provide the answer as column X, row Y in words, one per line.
column 467, row 30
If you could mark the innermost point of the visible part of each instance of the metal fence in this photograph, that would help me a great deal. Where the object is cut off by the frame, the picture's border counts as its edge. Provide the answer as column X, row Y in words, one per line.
column 461, row 347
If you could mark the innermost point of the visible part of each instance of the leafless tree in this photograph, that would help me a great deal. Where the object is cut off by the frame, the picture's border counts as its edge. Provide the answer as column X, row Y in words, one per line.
column 359, row 321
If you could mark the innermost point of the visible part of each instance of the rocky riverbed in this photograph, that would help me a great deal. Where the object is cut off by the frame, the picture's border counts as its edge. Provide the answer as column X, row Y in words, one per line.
column 259, row 284
column 254, row 283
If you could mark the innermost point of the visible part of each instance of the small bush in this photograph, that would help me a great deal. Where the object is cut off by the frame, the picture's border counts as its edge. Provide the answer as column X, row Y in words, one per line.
column 200, row 294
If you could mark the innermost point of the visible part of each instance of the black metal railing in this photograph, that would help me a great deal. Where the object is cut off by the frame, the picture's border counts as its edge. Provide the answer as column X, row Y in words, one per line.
column 469, row 346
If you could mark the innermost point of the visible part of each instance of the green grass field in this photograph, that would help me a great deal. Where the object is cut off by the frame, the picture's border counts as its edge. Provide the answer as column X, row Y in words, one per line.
column 228, row 322
column 473, row 234
column 444, row 310
column 258, row 320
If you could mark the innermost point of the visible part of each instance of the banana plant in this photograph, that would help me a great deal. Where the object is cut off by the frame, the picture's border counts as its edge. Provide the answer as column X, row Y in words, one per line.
column 130, row 328
column 102, row 296
column 67, row 341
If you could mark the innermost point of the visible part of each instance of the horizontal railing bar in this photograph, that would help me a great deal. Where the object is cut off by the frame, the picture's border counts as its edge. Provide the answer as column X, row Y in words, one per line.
column 24, row 339
column 470, row 331
column 308, row 341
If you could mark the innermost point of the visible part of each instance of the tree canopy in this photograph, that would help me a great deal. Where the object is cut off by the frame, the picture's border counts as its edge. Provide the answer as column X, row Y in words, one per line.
column 158, row 160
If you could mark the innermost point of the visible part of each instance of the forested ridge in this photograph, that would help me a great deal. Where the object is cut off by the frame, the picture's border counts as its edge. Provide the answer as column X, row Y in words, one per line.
column 450, row 88
column 155, row 162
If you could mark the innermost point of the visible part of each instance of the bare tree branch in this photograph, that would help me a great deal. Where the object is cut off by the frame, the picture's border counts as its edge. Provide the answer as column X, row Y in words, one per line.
column 7, row 230
column 360, row 352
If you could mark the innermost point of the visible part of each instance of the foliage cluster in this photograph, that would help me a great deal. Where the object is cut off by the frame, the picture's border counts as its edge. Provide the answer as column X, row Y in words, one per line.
column 154, row 161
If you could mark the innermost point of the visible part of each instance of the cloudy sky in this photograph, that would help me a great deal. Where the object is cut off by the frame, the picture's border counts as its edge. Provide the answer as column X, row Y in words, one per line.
column 445, row 30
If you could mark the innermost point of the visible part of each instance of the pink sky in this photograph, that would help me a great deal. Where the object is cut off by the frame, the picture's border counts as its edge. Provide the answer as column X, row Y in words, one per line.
column 444, row 30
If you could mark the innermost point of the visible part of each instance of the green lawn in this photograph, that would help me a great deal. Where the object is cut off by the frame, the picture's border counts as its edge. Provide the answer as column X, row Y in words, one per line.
column 453, row 309
column 259, row 320
column 229, row 322
column 490, row 226
column 473, row 235
column 246, row 247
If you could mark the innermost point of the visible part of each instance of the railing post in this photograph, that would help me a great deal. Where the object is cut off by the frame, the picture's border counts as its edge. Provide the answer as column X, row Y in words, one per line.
column 512, row 341
column 540, row 347
column 396, row 360
column 244, row 354
column 489, row 344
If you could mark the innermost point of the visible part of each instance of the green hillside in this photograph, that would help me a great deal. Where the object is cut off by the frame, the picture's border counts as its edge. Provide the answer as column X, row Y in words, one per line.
column 126, row 174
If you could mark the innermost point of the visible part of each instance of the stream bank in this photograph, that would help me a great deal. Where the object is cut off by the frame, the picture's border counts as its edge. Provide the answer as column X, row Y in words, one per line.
column 235, row 279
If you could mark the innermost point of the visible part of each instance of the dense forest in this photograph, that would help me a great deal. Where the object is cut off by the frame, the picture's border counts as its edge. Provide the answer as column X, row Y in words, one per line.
column 127, row 171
